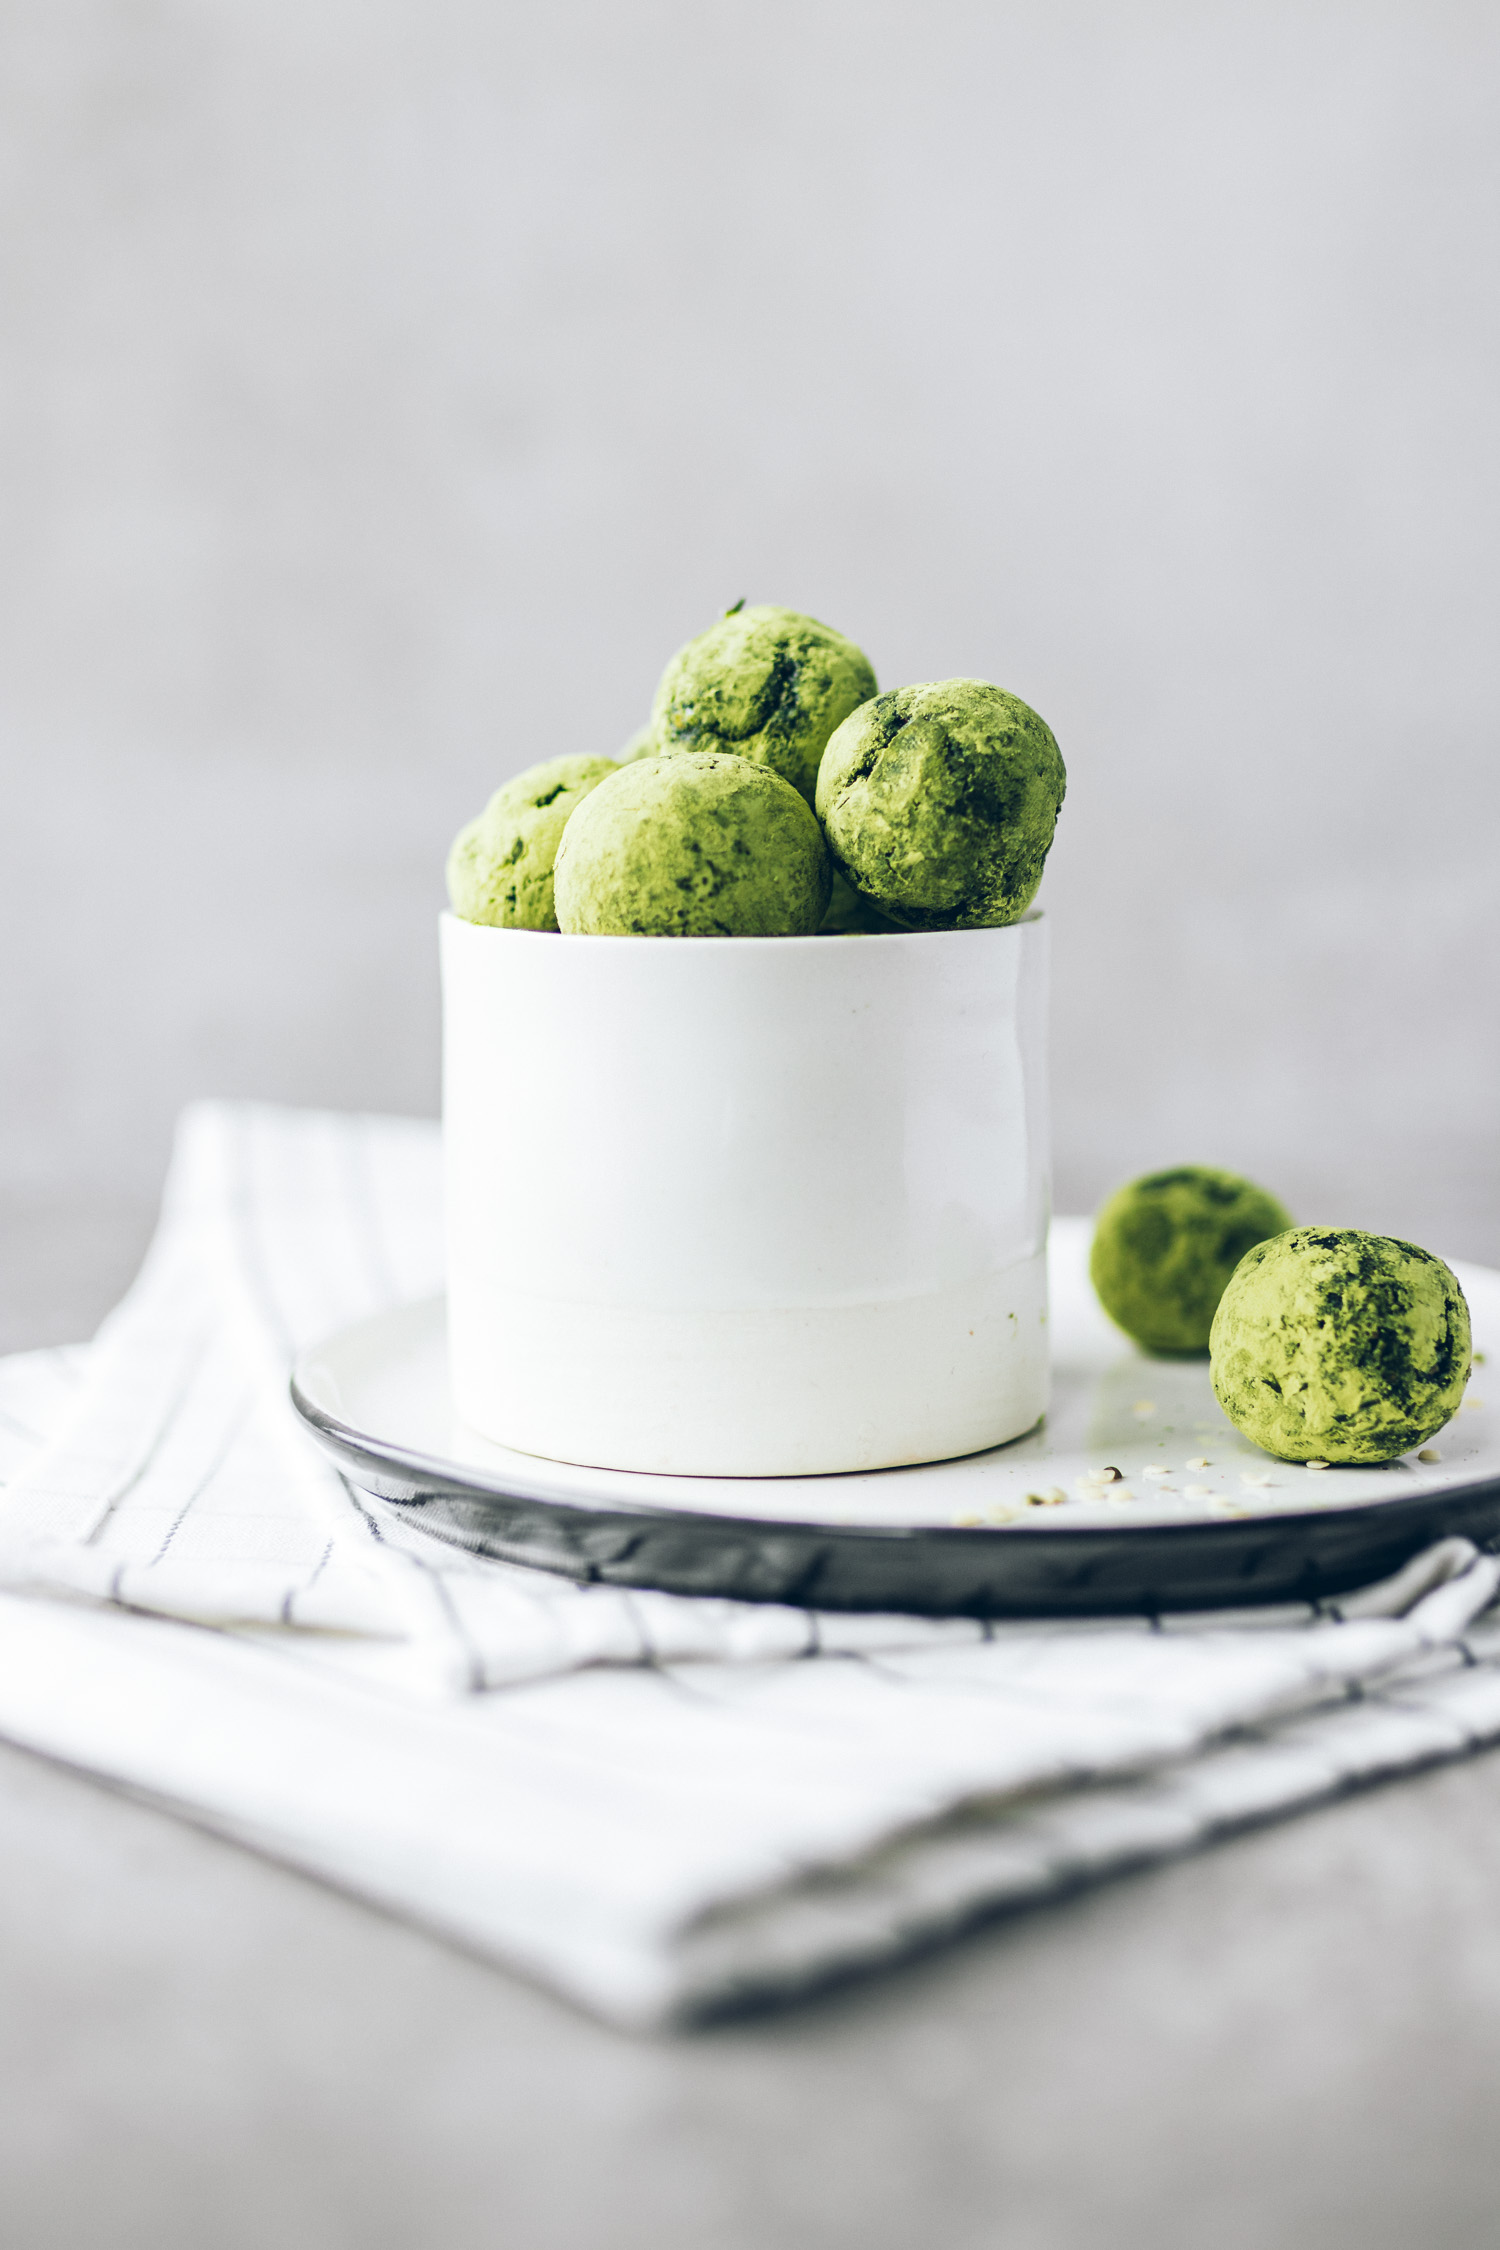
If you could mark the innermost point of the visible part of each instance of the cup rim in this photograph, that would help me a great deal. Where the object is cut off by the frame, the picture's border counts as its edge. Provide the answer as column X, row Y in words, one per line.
column 818, row 938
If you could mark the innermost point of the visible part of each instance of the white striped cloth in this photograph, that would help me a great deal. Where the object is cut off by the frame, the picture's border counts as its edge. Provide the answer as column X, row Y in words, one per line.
column 664, row 1807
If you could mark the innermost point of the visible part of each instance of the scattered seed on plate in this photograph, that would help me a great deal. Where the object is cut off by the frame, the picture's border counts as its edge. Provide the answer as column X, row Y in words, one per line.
column 1200, row 1492
column 1052, row 1497
column 1315, row 1464
column 1429, row 1453
column 1156, row 1471
column 969, row 1523
column 1202, row 1462
column 1254, row 1476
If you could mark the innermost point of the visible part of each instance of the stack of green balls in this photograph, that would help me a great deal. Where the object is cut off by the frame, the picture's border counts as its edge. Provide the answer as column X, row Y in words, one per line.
column 774, row 793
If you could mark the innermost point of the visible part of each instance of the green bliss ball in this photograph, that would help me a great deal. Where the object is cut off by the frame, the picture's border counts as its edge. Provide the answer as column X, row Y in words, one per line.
column 699, row 846
column 1165, row 1247
column 500, row 867
column 766, row 684
column 939, row 802
column 1331, row 1345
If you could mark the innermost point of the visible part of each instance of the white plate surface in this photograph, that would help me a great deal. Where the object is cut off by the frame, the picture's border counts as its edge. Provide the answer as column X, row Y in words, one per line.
column 1156, row 1421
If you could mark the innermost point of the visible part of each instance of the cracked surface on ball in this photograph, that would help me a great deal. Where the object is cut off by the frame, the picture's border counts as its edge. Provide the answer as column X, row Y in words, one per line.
column 766, row 684
column 696, row 845
column 1339, row 1346
column 939, row 802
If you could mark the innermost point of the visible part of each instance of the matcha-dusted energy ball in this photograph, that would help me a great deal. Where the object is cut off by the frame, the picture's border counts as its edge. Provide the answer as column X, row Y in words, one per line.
column 1165, row 1246
column 766, row 684
column 1330, row 1345
column 939, row 803
column 703, row 845
column 500, row 867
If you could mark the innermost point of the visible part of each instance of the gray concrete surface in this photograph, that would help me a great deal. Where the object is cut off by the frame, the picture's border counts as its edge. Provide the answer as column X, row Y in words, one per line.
column 1293, row 2040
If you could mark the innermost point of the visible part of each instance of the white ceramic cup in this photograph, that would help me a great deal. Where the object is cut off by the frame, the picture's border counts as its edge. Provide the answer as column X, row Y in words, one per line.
column 746, row 1206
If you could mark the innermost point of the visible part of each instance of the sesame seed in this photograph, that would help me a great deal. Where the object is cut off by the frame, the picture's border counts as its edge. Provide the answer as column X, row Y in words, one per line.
column 1202, row 1462
column 1155, row 1472
column 1429, row 1453
column 1254, row 1476
column 1052, row 1497
column 1201, row 1492
column 1316, row 1464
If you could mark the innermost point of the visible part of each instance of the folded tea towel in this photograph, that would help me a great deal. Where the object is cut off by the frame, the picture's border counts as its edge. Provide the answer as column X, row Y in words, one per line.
column 664, row 1807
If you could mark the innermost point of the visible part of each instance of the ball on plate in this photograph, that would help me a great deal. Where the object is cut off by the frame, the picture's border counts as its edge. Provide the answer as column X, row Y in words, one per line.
column 1333, row 1345
column 763, row 683
column 500, row 867
column 1165, row 1246
column 696, row 845
column 939, row 802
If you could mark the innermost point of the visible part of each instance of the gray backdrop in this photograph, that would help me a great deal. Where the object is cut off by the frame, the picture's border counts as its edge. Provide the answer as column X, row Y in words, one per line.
column 389, row 389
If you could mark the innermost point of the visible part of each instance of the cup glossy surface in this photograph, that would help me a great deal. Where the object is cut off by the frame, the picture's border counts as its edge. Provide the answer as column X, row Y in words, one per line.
column 746, row 1206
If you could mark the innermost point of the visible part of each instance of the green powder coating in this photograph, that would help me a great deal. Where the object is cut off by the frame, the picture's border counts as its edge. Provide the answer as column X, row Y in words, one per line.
column 1337, row 1346
column 500, row 867
column 766, row 684
column 1165, row 1246
column 697, row 845
column 939, row 802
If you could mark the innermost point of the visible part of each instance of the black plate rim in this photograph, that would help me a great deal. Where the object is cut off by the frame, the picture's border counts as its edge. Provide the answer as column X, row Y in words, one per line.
column 1389, row 1531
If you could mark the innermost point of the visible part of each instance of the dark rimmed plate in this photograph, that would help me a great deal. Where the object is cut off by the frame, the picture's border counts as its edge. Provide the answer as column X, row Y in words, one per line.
column 1197, row 1517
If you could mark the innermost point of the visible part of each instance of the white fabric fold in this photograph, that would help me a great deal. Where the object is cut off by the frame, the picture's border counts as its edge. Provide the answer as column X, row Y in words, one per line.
column 663, row 1807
